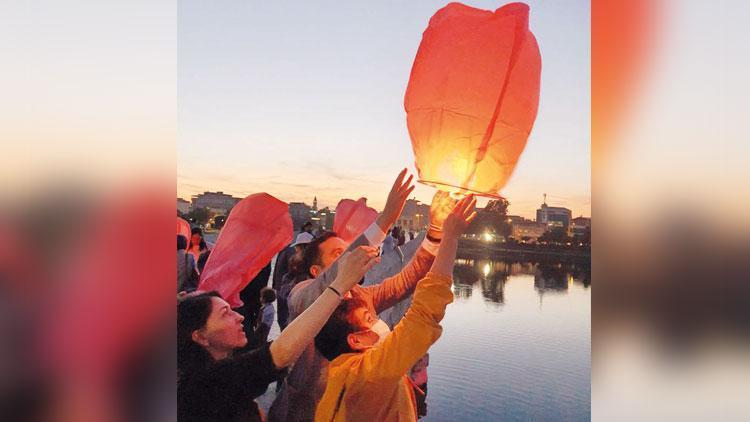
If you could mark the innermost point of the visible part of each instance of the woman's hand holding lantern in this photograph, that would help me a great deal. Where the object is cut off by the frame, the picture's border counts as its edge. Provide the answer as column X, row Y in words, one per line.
column 441, row 206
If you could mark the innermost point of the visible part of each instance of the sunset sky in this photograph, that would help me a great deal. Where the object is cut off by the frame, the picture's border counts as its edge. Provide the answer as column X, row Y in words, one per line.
column 302, row 100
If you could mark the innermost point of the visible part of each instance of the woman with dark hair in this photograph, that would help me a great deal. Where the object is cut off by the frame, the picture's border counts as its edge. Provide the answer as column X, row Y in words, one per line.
column 214, row 384
column 197, row 245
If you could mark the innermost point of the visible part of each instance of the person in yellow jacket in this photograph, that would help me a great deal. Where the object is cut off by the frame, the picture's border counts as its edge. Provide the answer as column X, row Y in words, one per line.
column 367, row 375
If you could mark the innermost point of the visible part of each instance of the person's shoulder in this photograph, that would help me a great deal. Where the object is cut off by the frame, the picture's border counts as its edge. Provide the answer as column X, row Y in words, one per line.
column 258, row 358
column 300, row 287
column 347, row 361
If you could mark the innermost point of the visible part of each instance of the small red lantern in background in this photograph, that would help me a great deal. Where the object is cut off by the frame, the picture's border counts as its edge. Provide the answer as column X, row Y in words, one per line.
column 353, row 218
column 472, row 97
column 183, row 228
column 258, row 227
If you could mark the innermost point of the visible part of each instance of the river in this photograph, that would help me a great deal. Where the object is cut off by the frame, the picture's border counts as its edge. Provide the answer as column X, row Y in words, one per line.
column 516, row 344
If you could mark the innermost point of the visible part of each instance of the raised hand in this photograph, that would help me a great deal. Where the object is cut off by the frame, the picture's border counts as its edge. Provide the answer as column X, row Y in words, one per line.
column 395, row 203
column 352, row 267
column 460, row 217
column 442, row 205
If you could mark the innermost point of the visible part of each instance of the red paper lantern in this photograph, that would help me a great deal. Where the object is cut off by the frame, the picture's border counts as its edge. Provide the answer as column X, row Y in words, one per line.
column 183, row 228
column 472, row 97
column 353, row 218
column 258, row 227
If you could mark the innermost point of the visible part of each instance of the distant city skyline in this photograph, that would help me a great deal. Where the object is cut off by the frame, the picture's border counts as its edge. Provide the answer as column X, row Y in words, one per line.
column 332, row 206
column 300, row 100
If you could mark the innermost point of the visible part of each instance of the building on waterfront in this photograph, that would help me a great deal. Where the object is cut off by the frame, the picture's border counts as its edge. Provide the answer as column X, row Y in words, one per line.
column 525, row 230
column 301, row 213
column 415, row 215
column 325, row 218
column 183, row 206
column 553, row 216
column 218, row 202
column 515, row 219
column 580, row 225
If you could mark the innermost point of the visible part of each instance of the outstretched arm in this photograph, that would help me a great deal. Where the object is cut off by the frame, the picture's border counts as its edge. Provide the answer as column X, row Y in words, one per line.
column 456, row 223
column 420, row 327
column 394, row 289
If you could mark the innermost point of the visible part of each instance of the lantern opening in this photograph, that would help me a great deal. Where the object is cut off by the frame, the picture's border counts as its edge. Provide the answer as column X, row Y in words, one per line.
column 458, row 191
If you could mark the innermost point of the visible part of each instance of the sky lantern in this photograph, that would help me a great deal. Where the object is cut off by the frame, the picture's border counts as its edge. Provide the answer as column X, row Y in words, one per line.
column 257, row 228
column 472, row 97
column 183, row 228
column 623, row 38
column 353, row 218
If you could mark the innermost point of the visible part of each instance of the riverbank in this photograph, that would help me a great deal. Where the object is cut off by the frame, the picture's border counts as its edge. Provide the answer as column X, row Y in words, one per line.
column 524, row 252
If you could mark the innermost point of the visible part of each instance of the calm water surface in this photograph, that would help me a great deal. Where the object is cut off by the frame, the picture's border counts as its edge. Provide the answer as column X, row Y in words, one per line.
column 515, row 346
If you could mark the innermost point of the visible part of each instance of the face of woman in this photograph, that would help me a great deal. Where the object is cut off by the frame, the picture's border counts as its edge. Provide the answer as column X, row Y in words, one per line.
column 195, row 240
column 223, row 331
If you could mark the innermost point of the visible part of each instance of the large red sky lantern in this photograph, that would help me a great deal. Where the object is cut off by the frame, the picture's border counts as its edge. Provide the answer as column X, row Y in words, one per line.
column 472, row 97
column 257, row 228
column 353, row 218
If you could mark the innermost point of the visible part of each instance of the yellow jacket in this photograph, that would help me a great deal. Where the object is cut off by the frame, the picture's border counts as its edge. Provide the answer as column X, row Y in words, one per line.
column 372, row 385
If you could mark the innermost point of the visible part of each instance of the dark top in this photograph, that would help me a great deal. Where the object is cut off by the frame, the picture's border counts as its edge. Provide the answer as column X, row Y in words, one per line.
column 282, row 266
column 225, row 390
column 250, row 296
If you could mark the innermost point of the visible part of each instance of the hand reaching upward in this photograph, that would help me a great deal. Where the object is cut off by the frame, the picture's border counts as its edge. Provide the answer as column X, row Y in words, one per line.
column 442, row 205
column 353, row 266
column 455, row 224
column 395, row 203
column 460, row 217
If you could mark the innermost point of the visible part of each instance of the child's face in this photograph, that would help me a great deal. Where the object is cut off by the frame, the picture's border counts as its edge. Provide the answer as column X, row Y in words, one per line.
column 364, row 338
column 363, row 318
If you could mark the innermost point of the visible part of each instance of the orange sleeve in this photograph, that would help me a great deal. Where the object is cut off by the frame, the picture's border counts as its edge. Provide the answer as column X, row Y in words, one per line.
column 413, row 336
column 394, row 289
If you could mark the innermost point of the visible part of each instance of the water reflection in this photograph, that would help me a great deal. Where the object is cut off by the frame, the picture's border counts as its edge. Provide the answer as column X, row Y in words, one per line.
column 506, row 354
column 492, row 275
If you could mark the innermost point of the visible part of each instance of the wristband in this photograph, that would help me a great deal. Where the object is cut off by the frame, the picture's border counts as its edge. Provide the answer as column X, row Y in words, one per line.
column 336, row 291
column 432, row 239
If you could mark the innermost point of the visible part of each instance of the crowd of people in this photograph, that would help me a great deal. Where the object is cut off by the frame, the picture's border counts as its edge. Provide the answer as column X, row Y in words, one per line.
column 334, row 359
